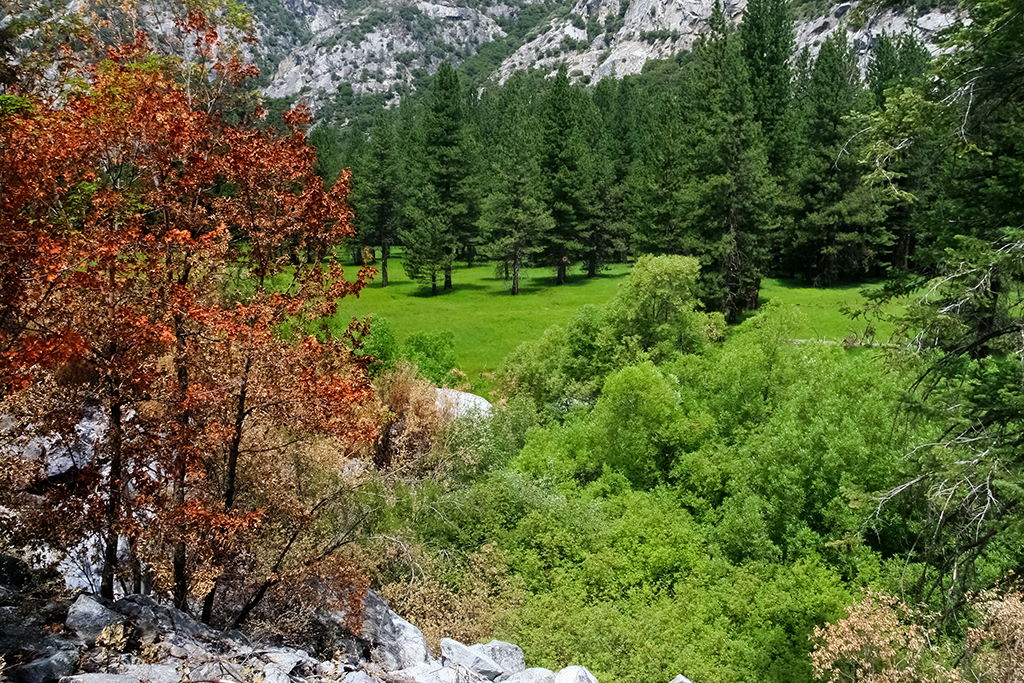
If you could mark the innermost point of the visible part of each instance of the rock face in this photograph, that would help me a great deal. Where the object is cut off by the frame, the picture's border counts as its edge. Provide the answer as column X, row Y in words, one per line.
column 88, row 617
column 381, row 46
column 508, row 656
column 394, row 642
column 575, row 674
column 375, row 48
column 636, row 31
column 535, row 675
column 454, row 653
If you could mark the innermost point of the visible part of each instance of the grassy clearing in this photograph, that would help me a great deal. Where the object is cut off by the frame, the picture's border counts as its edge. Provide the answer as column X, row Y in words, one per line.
column 486, row 320
column 820, row 311
column 488, row 323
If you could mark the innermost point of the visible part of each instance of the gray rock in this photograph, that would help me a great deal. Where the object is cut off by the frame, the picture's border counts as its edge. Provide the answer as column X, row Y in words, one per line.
column 13, row 631
column 87, row 617
column 394, row 642
column 508, row 656
column 170, row 619
column 287, row 659
column 154, row 673
column 47, row 669
column 8, row 598
column 356, row 677
column 436, row 673
column 273, row 673
column 99, row 678
column 454, row 652
column 218, row 670
column 574, row 674
column 680, row 679
column 534, row 675
column 140, row 609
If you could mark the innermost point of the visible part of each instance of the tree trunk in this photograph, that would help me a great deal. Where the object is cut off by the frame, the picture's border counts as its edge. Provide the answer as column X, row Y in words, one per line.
column 448, row 278
column 515, row 275
column 433, row 284
column 236, row 437
column 179, row 591
column 592, row 264
column 385, row 253
column 113, row 493
column 114, row 442
column 560, row 276
column 754, row 295
column 208, row 602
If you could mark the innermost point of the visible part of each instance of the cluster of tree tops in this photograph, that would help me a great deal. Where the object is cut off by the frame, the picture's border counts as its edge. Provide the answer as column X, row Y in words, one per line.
column 742, row 153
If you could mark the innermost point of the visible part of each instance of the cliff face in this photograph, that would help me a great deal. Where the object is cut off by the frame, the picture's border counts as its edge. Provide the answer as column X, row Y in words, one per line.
column 380, row 46
column 376, row 48
column 656, row 29
column 623, row 36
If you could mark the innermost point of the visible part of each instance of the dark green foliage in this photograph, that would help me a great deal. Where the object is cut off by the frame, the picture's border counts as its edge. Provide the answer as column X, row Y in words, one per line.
column 441, row 207
column 839, row 230
column 573, row 174
column 768, row 48
column 378, row 191
column 731, row 195
column 897, row 61
column 660, row 34
column 513, row 218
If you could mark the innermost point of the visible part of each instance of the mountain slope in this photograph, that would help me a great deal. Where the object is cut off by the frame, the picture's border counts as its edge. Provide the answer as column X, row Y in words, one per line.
column 318, row 49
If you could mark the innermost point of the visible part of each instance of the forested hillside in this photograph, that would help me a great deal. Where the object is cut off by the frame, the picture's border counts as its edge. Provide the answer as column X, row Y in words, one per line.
column 667, row 483
column 742, row 153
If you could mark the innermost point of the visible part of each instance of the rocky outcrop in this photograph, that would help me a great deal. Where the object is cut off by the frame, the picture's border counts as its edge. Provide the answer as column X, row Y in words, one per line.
column 376, row 49
column 393, row 641
column 136, row 639
column 635, row 31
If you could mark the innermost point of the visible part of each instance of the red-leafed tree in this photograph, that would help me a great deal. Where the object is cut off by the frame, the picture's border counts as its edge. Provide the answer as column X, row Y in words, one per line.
column 152, row 258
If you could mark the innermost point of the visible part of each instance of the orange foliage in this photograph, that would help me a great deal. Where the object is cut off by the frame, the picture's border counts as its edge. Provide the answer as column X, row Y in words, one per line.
column 150, row 255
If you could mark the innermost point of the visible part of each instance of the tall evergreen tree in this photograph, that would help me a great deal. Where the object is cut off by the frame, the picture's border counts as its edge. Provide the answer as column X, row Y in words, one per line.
column 731, row 193
column 570, row 173
column 768, row 47
column 839, row 230
column 654, row 189
column 896, row 61
column 439, row 212
column 377, row 191
column 513, row 215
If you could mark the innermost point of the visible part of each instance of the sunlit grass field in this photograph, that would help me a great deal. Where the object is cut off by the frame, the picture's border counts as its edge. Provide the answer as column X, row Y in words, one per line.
column 488, row 323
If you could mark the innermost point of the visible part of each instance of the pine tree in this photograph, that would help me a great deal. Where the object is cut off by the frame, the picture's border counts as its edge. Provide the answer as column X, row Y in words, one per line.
column 896, row 61
column 570, row 172
column 768, row 47
column 514, row 216
column 839, row 230
column 653, row 190
column 731, row 193
column 377, row 191
column 439, row 212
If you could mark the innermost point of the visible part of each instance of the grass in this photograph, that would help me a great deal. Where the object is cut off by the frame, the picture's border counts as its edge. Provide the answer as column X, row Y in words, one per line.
column 821, row 311
column 488, row 323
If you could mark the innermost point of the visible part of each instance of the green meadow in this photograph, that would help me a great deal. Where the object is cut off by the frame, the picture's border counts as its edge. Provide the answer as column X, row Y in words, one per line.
column 487, row 322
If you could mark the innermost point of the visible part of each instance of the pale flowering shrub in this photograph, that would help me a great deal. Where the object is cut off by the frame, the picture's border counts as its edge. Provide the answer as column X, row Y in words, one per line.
column 881, row 640
column 998, row 643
